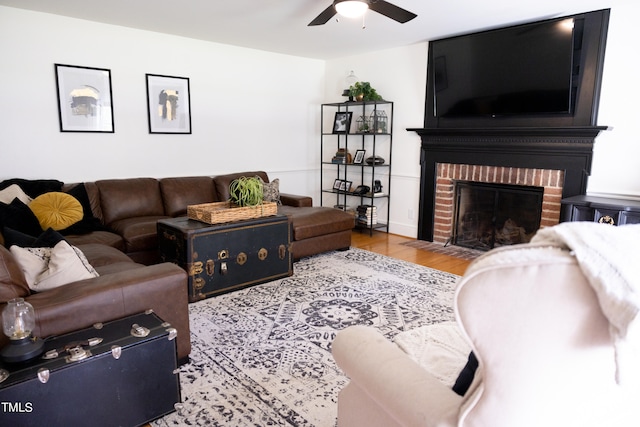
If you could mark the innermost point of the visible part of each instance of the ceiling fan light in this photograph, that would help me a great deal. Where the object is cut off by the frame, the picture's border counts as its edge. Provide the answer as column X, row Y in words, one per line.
column 351, row 8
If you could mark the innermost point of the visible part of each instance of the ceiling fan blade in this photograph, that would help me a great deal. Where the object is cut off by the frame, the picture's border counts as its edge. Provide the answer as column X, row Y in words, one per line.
column 324, row 17
column 391, row 11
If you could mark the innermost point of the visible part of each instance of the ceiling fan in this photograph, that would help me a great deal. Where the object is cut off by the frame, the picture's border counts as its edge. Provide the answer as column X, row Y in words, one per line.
column 355, row 8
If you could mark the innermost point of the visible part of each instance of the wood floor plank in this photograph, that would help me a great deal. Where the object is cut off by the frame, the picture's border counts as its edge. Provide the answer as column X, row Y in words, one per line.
column 392, row 245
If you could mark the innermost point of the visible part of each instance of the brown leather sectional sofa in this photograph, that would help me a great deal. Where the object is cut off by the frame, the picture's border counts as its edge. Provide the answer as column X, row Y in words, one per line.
column 124, row 252
column 131, row 207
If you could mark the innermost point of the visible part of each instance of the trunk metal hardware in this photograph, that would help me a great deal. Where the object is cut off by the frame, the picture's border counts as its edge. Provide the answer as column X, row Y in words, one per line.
column 73, row 346
column 43, row 375
column 210, row 266
column 241, row 258
column 116, row 351
column 173, row 333
column 195, row 268
column 77, row 354
column 262, row 254
column 139, row 331
column 223, row 268
column 4, row 374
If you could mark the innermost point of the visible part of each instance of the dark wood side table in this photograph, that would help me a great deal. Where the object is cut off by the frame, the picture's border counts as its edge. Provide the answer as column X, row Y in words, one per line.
column 606, row 210
column 224, row 257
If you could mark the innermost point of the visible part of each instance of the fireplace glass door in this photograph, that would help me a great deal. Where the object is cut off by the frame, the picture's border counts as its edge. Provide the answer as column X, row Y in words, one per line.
column 491, row 215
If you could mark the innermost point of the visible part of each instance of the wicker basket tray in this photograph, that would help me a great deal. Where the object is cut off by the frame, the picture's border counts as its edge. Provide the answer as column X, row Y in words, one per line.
column 221, row 212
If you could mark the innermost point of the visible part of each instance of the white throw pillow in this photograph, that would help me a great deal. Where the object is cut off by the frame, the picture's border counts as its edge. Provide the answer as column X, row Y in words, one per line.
column 32, row 261
column 11, row 192
column 48, row 268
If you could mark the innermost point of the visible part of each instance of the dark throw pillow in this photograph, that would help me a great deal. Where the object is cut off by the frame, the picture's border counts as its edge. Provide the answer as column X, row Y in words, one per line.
column 48, row 239
column 88, row 223
column 465, row 378
column 34, row 187
column 18, row 216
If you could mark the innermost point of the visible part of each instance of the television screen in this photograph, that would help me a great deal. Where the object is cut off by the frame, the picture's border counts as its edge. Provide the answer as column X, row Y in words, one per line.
column 521, row 70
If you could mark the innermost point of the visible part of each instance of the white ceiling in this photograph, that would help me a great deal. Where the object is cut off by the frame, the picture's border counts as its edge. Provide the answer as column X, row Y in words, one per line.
column 281, row 25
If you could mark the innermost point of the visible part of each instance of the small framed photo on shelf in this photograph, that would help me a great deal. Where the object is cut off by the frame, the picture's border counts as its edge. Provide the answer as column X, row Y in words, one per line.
column 345, row 186
column 342, row 122
column 168, row 104
column 336, row 184
column 85, row 101
column 358, row 159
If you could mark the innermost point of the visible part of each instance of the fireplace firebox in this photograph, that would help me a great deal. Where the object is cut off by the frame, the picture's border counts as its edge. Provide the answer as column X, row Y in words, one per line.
column 491, row 215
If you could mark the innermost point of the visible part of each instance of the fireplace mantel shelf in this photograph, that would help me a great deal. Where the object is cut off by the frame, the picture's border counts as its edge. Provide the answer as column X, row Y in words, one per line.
column 574, row 131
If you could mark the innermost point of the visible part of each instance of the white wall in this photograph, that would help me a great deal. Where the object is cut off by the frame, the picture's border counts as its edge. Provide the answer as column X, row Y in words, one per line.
column 250, row 109
column 616, row 165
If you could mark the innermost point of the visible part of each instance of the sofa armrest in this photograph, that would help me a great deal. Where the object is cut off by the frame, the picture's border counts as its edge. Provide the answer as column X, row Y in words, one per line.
column 393, row 382
column 295, row 200
column 160, row 287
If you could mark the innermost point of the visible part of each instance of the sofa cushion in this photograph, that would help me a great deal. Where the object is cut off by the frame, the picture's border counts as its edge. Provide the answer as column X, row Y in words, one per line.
column 222, row 182
column 129, row 198
column 12, row 281
column 48, row 268
column 100, row 255
column 308, row 222
column 102, row 237
column 140, row 233
column 18, row 216
column 12, row 192
column 178, row 193
column 56, row 210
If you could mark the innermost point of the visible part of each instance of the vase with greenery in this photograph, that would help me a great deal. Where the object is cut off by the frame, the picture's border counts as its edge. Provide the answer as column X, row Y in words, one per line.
column 362, row 91
column 246, row 191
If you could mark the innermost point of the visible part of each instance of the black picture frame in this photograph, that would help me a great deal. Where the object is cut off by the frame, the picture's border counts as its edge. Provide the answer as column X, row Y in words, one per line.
column 168, row 104
column 342, row 122
column 358, row 159
column 85, row 99
column 336, row 184
column 345, row 186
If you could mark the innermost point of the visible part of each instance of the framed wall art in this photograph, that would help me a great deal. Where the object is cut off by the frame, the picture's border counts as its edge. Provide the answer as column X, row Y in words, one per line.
column 85, row 102
column 342, row 122
column 168, row 104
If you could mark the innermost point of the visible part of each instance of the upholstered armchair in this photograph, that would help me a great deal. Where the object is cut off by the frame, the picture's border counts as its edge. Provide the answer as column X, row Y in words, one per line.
column 546, row 353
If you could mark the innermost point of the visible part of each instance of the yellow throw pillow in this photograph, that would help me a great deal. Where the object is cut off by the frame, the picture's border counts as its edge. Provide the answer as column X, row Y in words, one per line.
column 56, row 210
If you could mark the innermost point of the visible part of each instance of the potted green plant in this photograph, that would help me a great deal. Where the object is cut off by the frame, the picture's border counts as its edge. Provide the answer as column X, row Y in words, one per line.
column 246, row 191
column 362, row 91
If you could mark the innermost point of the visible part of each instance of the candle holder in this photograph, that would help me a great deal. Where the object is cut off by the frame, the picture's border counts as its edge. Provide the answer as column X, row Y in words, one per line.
column 18, row 322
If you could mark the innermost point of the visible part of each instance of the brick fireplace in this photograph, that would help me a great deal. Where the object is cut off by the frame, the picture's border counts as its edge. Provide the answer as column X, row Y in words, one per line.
column 557, row 159
column 448, row 175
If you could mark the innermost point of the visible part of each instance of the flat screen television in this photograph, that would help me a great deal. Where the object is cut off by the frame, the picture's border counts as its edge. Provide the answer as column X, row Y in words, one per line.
column 544, row 73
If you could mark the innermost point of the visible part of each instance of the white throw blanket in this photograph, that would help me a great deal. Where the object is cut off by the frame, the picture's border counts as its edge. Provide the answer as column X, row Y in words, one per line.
column 609, row 259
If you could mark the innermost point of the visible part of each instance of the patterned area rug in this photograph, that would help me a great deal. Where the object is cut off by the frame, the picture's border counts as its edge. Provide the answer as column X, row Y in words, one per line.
column 262, row 356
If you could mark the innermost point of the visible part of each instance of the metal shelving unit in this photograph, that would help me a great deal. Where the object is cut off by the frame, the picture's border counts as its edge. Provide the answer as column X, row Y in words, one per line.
column 370, row 129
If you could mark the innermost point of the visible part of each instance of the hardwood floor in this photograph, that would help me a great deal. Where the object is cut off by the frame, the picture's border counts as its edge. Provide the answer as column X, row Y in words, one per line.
column 391, row 245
